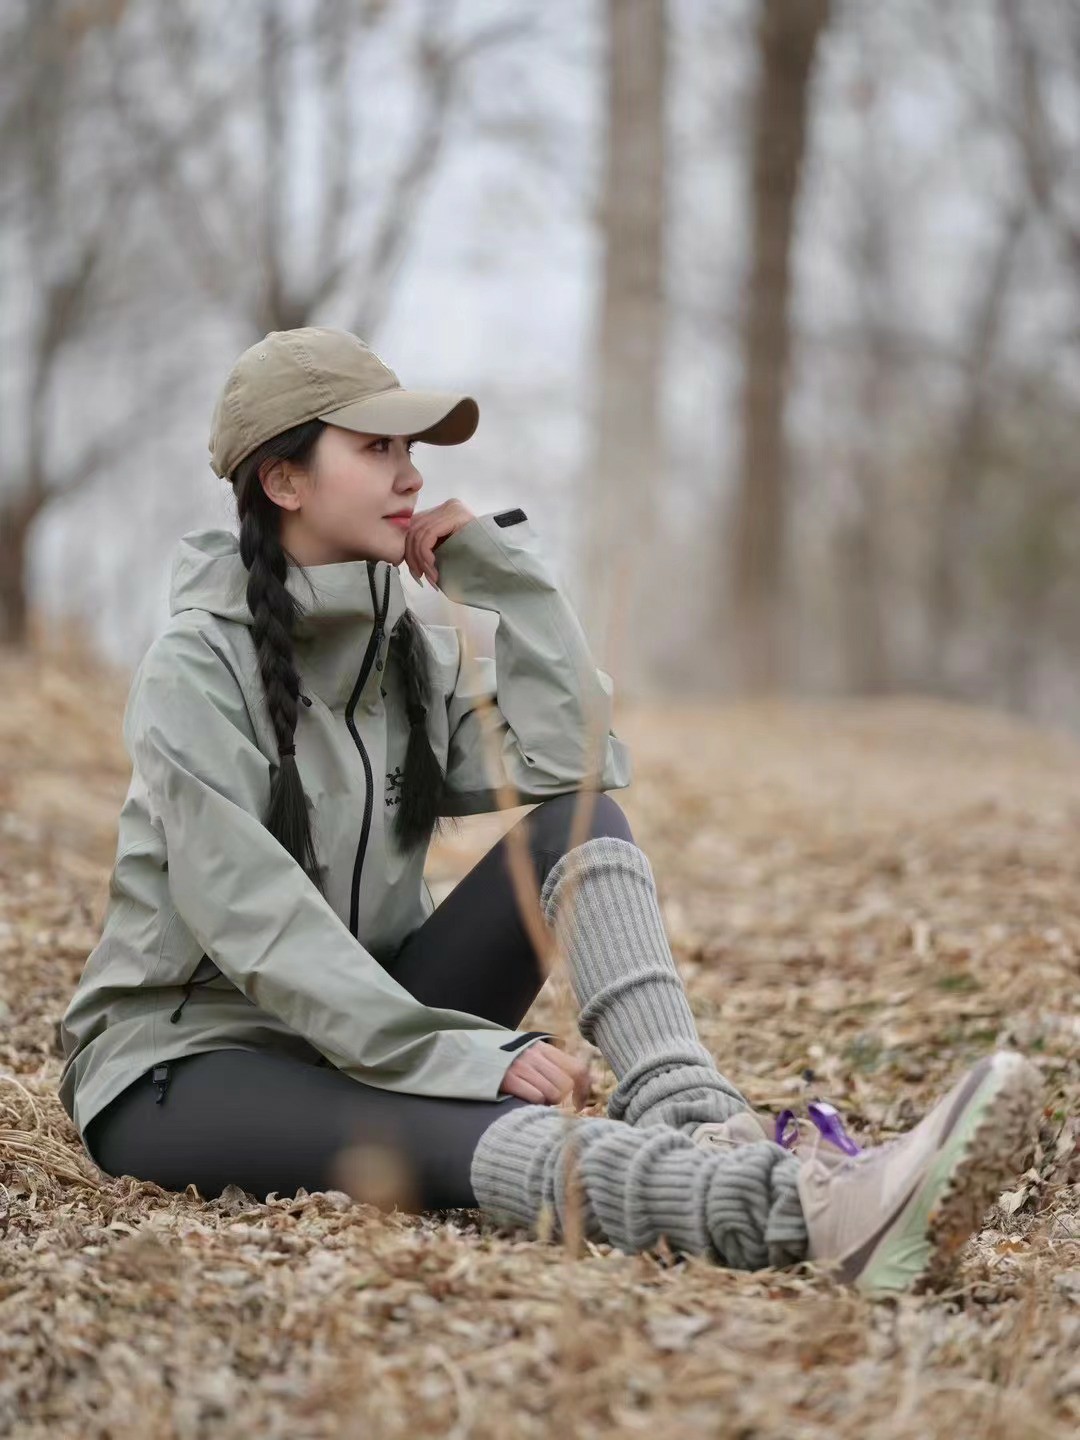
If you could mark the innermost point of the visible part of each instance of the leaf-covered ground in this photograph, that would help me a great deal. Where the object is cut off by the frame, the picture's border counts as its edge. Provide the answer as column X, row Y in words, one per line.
column 862, row 900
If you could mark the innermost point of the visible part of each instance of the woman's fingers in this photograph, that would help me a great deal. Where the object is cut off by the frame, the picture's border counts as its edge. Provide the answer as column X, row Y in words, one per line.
column 537, row 1084
column 412, row 553
column 419, row 554
column 574, row 1072
column 549, row 1083
column 515, row 1085
column 555, row 1074
column 567, row 1073
column 427, row 552
column 576, row 1068
column 426, row 532
column 546, row 1075
column 411, row 557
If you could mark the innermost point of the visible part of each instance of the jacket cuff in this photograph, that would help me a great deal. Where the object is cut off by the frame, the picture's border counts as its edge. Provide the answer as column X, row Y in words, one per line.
column 478, row 561
column 502, row 1050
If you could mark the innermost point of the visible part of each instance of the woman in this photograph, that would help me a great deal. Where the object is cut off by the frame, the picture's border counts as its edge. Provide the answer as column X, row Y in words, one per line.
column 276, row 1002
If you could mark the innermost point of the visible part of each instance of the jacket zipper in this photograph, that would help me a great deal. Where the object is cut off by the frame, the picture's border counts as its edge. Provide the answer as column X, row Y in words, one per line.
column 373, row 652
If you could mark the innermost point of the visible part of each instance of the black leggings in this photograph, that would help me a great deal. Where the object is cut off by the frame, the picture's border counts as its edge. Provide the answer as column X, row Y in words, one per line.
column 266, row 1121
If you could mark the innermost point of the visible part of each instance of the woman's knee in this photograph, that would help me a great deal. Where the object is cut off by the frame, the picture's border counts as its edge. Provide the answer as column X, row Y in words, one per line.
column 552, row 821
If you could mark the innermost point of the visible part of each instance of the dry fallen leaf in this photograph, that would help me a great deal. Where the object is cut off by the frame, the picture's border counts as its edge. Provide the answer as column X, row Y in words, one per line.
column 863, row 899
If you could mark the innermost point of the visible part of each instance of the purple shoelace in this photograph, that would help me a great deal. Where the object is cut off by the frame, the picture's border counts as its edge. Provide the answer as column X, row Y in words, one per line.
column 827, row 1119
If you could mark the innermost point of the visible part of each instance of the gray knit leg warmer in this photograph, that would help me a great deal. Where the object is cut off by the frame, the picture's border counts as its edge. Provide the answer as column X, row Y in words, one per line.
column 601, row 900
column 740, row 1207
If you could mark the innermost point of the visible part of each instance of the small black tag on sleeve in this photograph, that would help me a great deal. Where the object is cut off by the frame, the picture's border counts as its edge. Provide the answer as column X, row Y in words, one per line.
column 520, row 1040
column 509, row 517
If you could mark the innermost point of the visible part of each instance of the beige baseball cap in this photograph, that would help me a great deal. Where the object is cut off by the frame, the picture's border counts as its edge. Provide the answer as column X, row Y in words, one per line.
column 316, row 373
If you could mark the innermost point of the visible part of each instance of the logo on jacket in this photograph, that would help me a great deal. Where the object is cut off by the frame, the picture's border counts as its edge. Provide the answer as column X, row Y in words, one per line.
column 394, row 780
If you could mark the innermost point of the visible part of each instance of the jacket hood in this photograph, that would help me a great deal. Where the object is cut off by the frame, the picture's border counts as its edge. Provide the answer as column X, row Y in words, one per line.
column 208, row 574
column 341, row 602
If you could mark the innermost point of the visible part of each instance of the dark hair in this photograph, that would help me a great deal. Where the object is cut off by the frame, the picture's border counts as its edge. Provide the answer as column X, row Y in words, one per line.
column 274, row 612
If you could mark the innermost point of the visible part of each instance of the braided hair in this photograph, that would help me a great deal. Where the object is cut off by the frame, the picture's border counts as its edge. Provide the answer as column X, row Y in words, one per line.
column 274, row 613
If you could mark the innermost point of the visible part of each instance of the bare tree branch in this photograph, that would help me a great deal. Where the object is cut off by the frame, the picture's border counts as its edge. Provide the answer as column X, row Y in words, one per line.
column 109, row 445
column 1043, row 167
column 274, row 298
column 161, row 158
column 272, row 308
column 339, row 148
column 442, row 66
column 943, row 596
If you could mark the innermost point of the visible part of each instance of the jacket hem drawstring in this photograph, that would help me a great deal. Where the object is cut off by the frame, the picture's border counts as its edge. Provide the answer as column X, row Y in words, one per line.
column 160, row 1076
column 175, row 1016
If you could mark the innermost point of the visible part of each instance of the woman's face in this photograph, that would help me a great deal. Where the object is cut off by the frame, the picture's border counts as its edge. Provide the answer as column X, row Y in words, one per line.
column 337, row 508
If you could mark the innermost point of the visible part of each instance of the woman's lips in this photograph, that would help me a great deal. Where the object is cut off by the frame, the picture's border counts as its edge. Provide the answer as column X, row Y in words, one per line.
column 403, row 520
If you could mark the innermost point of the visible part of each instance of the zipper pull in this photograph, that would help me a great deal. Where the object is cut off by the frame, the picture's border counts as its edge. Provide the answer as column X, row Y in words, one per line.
column 380, row 634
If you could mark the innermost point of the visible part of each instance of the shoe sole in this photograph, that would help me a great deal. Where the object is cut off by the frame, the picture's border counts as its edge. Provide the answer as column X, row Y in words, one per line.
column 986, row 1147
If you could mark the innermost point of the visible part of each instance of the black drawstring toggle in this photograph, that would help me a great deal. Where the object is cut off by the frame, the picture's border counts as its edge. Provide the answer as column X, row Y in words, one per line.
column 175, row 1016
column 160, row 1078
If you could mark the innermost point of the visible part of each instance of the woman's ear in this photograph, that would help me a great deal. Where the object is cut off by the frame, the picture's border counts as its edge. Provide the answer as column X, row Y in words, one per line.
column 276, row 478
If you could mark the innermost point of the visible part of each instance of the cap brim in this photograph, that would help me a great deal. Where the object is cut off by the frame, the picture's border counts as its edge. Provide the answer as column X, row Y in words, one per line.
column 429, row 415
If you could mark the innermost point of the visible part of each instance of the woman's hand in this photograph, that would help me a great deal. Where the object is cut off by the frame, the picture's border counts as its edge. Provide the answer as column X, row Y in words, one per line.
column 546, row 1076
column 428, row 529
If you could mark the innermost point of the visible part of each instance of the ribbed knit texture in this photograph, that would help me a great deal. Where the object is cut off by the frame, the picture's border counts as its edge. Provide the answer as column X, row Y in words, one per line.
column 740, row 1207
column 600, row 898
column 645, row 1178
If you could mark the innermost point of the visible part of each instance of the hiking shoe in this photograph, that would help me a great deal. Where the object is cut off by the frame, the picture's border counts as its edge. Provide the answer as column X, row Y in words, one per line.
column 894, row 1217
column 746, row 1127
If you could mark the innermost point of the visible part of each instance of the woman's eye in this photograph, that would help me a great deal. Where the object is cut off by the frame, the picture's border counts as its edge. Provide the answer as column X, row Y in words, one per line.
column 382, row 445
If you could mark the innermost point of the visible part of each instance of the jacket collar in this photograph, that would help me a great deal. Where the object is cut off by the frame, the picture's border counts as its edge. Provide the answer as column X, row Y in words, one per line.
column 342, row 604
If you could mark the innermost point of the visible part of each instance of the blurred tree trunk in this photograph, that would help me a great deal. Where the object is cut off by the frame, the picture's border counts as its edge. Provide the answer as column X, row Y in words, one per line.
column 626, row 465
column 15, row 518
column 33, row 150
column 861, row 543
column 964, row 456
column 1020, row 647
column 788, row 35
column 64, row 244
column 1046, row 154
column 863, row 547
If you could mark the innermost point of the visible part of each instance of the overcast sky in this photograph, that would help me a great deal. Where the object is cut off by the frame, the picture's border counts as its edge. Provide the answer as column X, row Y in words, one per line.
column 500, row 288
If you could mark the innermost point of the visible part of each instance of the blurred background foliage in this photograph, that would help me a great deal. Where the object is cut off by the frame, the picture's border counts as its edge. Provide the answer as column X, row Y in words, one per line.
column 770, row 307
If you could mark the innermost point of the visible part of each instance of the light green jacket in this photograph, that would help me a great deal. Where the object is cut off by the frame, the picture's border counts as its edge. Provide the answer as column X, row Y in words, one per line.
column 209, row 916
